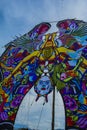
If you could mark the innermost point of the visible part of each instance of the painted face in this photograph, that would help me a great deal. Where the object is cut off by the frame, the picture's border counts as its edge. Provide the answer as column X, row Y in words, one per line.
column 44, row 86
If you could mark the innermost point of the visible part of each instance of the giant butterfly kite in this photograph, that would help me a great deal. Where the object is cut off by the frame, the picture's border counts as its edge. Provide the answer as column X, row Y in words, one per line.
column 43, row 61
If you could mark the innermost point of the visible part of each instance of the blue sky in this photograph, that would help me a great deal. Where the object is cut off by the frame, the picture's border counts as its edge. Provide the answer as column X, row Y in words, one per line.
column 19, row 16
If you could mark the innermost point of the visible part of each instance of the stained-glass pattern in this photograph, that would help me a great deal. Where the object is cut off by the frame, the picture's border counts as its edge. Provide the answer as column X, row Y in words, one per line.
column 59, row 60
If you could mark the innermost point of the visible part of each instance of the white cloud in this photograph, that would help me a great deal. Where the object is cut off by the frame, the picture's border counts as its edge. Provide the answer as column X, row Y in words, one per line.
column 20, row 16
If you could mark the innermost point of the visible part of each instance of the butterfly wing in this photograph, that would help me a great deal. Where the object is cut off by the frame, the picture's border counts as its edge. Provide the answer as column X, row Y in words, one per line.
column 73, row 35
column 12, row 91
column 32, row 40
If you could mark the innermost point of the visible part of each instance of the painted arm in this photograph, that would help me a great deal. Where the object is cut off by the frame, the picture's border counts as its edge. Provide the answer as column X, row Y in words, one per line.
column 65, row 50
column 27, row 58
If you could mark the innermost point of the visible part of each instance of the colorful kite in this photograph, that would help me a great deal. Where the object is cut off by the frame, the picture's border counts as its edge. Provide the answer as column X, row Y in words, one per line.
column 57, row 60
